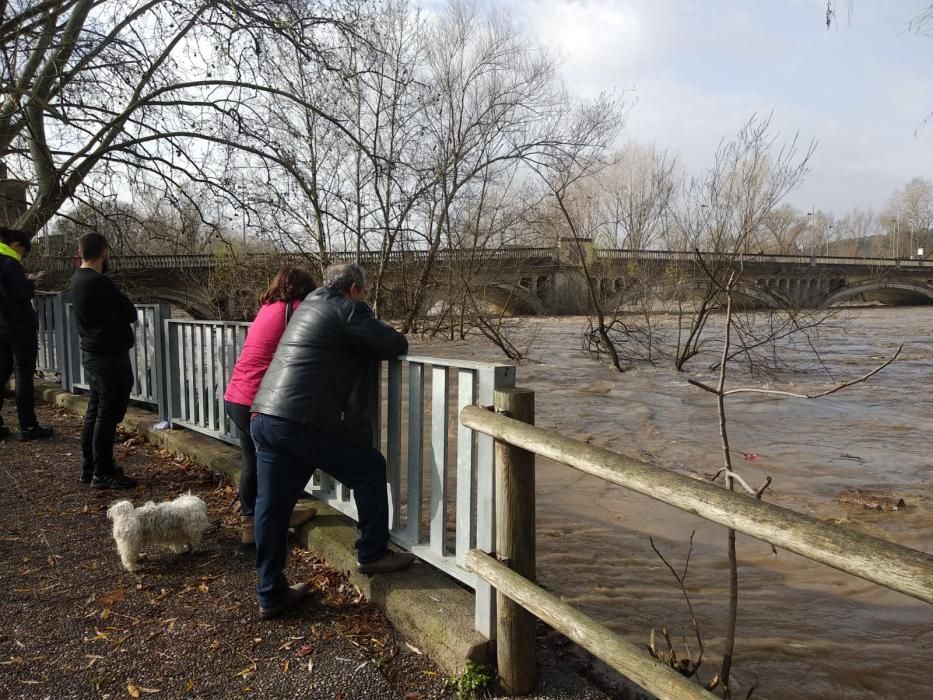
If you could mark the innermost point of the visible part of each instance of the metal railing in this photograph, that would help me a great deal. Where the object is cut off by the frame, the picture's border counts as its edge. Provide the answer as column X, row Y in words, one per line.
column 53, row 350
column 199, row 359
column 441, row 501
column 201, row 261
column 550, row 255
column 145, row 356
column 757, row 258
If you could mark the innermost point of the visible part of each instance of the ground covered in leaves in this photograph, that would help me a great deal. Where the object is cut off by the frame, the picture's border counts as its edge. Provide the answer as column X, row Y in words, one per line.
column 77, row 625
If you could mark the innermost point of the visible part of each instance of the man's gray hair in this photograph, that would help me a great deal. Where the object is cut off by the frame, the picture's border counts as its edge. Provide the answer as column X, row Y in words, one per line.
column 342, row 276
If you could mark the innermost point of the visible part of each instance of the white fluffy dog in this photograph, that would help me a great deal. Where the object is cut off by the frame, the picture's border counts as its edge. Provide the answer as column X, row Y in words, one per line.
column 179, row 524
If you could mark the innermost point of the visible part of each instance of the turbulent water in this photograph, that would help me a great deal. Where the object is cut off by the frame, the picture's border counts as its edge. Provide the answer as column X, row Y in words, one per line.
column 804, row 630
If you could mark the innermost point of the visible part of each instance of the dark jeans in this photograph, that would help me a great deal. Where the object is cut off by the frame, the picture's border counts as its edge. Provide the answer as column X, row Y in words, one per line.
column 111, row 380
column 18, row 355
column 285, row 453
column 239, row 416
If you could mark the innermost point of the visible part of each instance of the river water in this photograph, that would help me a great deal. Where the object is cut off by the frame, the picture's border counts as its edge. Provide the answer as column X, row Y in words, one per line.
column 804, row 630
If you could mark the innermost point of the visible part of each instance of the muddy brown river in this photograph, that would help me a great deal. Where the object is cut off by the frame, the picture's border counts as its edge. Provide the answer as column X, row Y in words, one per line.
column 804, row 630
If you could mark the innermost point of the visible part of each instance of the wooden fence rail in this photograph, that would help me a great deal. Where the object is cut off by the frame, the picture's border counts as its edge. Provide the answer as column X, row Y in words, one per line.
column 891, row 565
column 628, row 659
column 512, row 573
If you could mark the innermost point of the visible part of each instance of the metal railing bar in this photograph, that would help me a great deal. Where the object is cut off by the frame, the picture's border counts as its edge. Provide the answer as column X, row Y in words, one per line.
column 440, row 417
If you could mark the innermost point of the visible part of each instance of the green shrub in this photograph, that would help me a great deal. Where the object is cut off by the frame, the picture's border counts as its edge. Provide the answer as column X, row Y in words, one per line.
column 474, row 680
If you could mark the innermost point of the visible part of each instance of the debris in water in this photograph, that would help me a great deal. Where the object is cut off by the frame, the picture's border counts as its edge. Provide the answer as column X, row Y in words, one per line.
column 874, row 501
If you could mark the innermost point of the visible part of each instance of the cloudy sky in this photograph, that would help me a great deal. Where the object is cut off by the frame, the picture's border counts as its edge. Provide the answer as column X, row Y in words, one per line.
column 697, row 69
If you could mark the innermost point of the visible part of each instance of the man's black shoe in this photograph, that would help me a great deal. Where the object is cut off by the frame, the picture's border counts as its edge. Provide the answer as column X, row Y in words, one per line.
column 36, row 432
column 117, row 480
column 86, row 477
column 4, row 432
column 390, row 562
column 293, row 598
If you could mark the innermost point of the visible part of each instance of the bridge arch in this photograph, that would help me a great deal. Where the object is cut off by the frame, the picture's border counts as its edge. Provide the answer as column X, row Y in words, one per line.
column 499, row 297
column 198, row 308
column 886, row 292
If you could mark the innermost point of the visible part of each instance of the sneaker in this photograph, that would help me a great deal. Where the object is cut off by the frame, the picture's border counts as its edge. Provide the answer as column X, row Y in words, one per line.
column 295, row 595
column 116, row 480
column 36, row 432
column 391, row 561
column 4, row 432
column 86, row 477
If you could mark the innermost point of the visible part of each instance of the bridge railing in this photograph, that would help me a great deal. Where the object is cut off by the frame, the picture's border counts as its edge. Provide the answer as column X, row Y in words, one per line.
column 757, row 258
column 439, row 474
column 370, row 259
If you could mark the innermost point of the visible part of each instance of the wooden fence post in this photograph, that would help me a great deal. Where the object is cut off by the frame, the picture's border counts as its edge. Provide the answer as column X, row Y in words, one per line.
column 515, row 546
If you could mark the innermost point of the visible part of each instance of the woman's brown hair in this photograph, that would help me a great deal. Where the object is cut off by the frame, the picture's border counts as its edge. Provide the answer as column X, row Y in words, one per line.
column 289, row 284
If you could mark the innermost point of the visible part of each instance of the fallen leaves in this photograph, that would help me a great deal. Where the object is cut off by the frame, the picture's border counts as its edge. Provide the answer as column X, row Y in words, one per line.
column 248, row 671
column 136, row 690
column 115, row 596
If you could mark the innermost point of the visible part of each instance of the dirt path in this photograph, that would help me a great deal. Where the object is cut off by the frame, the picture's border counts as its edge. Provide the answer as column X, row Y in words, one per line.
column 76, row 625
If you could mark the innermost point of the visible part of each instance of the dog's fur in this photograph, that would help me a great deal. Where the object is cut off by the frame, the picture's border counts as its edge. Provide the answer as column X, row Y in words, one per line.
column 179, row 524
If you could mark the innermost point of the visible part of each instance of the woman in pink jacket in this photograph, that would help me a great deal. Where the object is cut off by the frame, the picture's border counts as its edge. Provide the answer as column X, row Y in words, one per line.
column 285, row 292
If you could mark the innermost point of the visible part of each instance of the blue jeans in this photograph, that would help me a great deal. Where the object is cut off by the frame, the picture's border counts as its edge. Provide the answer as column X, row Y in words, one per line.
column 285, row 453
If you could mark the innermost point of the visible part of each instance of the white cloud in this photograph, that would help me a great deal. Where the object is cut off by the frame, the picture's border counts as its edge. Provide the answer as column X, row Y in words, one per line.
column 698, row 73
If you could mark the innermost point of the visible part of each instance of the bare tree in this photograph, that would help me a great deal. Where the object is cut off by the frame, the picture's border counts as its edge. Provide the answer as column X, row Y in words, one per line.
column 108, row 96
column 911, row 207
column 723, row 211
column 732, row 478
column 631, row 198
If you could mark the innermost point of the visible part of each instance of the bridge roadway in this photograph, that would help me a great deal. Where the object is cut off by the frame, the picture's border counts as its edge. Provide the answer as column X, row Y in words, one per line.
column 546, row 280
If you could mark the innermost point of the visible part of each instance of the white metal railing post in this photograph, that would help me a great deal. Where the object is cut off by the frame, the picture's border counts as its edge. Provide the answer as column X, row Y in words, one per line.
column 62, row 346
column 170, row 369
column 415, row 451
column 439, row 451
column 393, row 429
column 161, row 388
column 489, row 380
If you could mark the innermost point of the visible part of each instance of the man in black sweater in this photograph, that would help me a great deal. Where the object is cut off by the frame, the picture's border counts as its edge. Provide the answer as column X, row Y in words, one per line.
column 105, row 318
column 19, row 344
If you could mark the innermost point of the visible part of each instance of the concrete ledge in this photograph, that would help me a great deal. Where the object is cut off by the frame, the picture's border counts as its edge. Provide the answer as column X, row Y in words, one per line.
column 431, row 609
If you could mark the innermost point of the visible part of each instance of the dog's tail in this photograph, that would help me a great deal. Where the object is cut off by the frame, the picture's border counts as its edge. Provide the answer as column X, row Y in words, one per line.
column 120, row 509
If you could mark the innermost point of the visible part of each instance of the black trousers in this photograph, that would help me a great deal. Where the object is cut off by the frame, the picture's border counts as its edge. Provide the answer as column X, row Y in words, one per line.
column 18, row 356
column 110, row 377
column 239, row 416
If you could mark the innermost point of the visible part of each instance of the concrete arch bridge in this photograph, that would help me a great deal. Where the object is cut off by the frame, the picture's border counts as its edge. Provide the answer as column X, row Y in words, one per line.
column 525, row 281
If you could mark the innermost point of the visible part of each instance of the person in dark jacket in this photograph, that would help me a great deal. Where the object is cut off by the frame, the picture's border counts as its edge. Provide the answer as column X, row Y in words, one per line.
column 19, row 344
column 311, row 411
column 105, row 318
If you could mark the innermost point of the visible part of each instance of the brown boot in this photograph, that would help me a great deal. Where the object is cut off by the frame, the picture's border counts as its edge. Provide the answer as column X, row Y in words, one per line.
column 247, row 535
column 300, row 516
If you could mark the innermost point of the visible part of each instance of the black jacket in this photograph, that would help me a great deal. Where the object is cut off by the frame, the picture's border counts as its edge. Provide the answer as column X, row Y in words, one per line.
column 321, row 374
column 103, row 314
column 16, row 292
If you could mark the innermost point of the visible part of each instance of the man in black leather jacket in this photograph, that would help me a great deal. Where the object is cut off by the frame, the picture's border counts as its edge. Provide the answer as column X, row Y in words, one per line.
column 311, row 412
